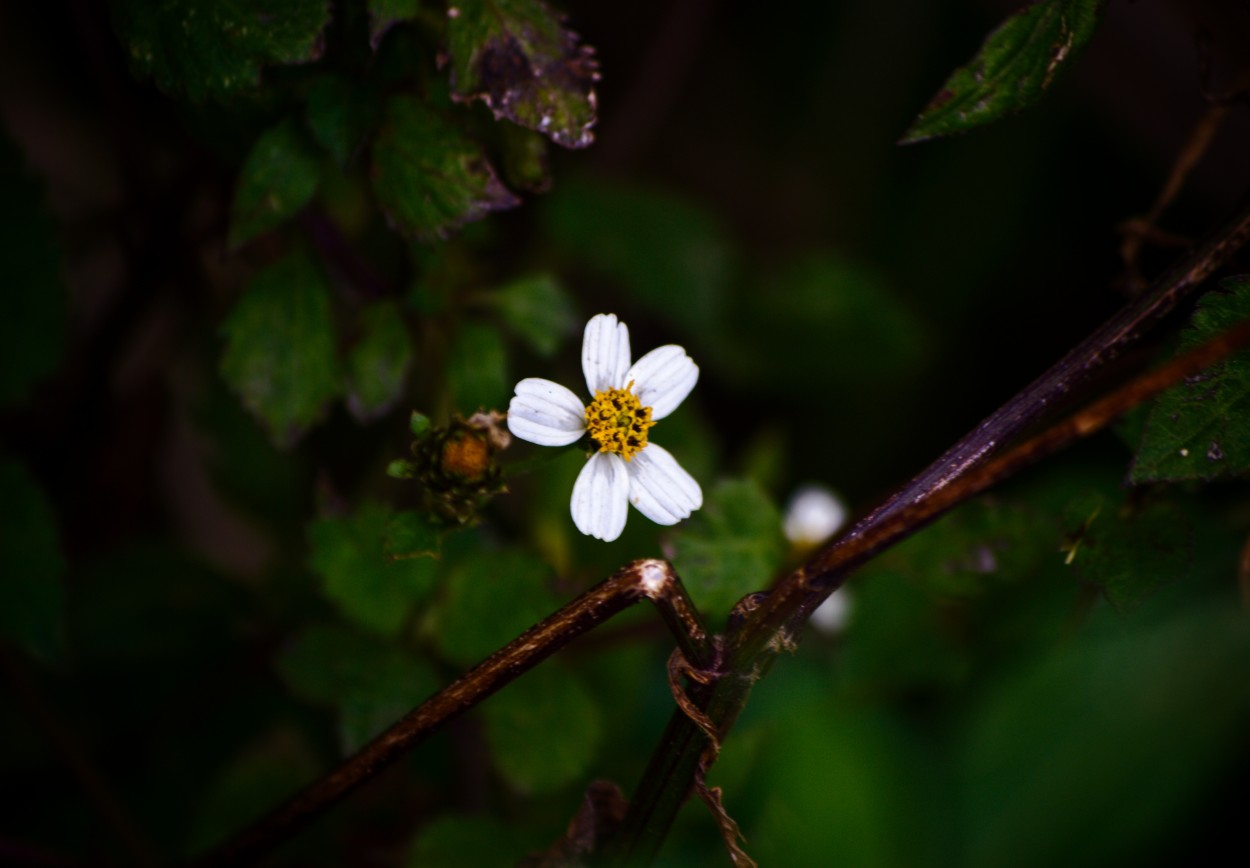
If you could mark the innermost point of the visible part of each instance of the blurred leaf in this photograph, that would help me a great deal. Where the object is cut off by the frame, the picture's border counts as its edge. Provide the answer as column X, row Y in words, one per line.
column 385, row 14
column 526, row 165
column 429, row 176
column 32, row 329
column 515, row 56
column 671, row 255
column 538, row 309
column 277, row 180
column 1201, row 428
column 1017, row 62
column 1129, row 552
column 467, row 842
column 489, row 599
column 1105, row 748
column 217, row 48
column 264, row 775
column 477, row 369
column 729, row 548
column 408, row 535
column 372, row 590
column 543, row 730
column 378, row 364
column 368, row 683
column 279, row 355
column 341, row 115
column 32, row 598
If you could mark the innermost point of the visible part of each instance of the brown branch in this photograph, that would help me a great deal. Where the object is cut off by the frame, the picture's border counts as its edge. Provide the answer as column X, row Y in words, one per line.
column 642, row 579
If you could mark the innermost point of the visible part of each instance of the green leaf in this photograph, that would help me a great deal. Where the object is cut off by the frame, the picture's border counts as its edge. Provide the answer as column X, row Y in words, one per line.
column 378, row 364
column 409, row 535
column 538, row 309
column 515, row 56
column 368, row 683
column 1201, row 428
column 477, row 368
column 341, row 115
column 279, row 177
column 385, row 14
column 279, row 355
column 489, row 599
column 729, row 548
column 1128, row 552
column 467, row 842
column 1016, row 64
column 217, row 48
column 543, row 730
column 525, row 163
column 429, row 176
column 32, row 598
column 371, row 589
column 32, row 329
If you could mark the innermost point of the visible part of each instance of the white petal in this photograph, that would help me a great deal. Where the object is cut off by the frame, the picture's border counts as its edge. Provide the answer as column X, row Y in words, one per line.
column 601, row 497
column 813, row 515
column 546, row 413
column 663, row 378
column 605, row 353
column 660, row 489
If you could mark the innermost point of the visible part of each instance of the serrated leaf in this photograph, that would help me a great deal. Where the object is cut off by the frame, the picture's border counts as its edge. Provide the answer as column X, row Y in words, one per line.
column 280, row 348
column 385, row 14
column 32, row 598
column 429, row 176
column 1016, row 64
column 517, row 58
column 477, row 368
column 1130, row 552
column 341, row 115
column 489, row 599
column 1201, row 428
column 368, row 683
column 378, row 364
column 543, row 730
column 538, row 309
column 279, row 177
column 348, row 553
column 409, row 535
column 32, row 330
column 729, row 548
column 217, row 48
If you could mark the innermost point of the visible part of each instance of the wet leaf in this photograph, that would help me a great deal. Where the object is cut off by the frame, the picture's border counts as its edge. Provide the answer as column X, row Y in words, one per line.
column 429, row 176
column 385, row 14
column 32, row 329
column 1016, row 64
column 477, row 368
column 378, row 364
column 729, row 548
column 370, row 684
column 517, row 58
column 348, row 553
column 32, row 598
column 543, row 730
column 217, row 48
column 1201, row 428
column 280, row 348
column 279, row 177
column 538, row 309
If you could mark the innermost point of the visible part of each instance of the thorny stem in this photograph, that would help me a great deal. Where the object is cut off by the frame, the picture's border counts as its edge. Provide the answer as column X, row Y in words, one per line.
column 642, row 579
column 966, row 469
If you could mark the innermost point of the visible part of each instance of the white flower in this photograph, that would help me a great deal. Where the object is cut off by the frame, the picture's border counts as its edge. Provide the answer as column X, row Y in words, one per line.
column 832, row 615
column 628, row 401
column 813, row 515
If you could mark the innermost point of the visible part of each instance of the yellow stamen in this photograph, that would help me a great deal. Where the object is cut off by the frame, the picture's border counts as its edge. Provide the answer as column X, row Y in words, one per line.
column 618, row 422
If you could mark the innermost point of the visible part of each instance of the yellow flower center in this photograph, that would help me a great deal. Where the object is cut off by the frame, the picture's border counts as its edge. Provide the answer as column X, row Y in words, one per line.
column 618, row 422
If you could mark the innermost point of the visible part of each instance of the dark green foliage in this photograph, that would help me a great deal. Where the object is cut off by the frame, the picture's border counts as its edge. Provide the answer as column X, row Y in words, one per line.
column 538, row 309
column 1201, row 429
column 476, row 368
column 515, row 56
column 32, row 599
column 280, row 352
column 278, row 179
column 341, row 115
column 379, row 362
column 218, row 48
column 384, row 14
column 429, row 176
column 454, row 842
column 1017, row 64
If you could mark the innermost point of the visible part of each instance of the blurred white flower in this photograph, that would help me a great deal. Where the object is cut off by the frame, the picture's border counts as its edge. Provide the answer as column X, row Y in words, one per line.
column 628, row 401
column 813, row 515
column 831, row 615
